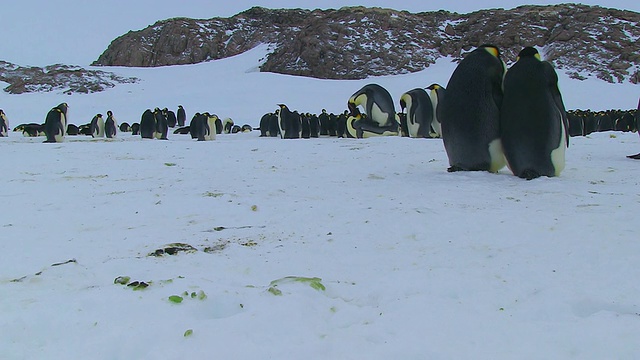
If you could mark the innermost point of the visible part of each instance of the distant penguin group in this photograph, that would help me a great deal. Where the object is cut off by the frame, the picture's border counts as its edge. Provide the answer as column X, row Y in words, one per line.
column 492, row 117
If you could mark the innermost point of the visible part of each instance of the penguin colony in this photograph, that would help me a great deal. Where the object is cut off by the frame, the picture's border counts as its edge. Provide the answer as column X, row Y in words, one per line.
column 487, row 116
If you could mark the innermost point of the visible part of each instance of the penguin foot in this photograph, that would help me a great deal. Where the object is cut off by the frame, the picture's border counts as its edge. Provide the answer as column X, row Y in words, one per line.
column 454, row 168
column 529, row 174
column 635, row 157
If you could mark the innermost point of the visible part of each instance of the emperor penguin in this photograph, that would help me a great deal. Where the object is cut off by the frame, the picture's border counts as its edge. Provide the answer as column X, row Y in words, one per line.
column 470, row 112
column 377, row 104
column 289, row 122
column 419, row 112
column 110, row 125
column 210, row 129
column 436, row 93
column 162, row 127
column 55, row 124
column 533, row 121
column 147, row 127
column 264, row 125
column 637, row 125
column 381, row 118
column 197, row 126
column 4, row 124
column 171, row 117
column 97, row 126
column 181, row 116
column 227, row 124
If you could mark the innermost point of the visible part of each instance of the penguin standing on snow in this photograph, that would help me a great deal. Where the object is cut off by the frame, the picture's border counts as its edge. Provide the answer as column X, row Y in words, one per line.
column 4, row 124
column 97, row 126
column 162, row 127
column 171, row 117
column 147, row 126
column 210, row 128
column 381, row 117
column 110, row 126
column 637, row 120
column 55, row 124
column 419, row 112
column 181, row 116
column 533, row 120
column 289, row 122
column 470, row 112
column 436, row 93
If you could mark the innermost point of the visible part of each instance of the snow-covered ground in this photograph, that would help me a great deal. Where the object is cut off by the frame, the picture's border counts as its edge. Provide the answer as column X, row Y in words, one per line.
column 309, row 249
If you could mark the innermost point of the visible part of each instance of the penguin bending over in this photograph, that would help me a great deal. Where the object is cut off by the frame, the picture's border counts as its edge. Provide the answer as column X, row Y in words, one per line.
column 147, row 126
column 227, row 124
column 97, row 126
column 470, row 112
column 533, row 120
column 110, row 126
column 379, row 110
column 377, row 104
column 419, row 112
column 55, row 124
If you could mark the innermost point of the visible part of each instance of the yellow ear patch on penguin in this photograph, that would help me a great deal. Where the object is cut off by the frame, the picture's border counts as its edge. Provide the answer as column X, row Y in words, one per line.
column 492, row 50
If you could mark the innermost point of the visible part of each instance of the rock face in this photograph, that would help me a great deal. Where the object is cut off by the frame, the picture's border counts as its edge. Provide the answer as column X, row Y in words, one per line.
column 68, row 79
column 356, row 42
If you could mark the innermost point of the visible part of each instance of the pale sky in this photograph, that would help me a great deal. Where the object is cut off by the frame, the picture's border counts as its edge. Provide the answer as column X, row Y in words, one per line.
column 44, row 32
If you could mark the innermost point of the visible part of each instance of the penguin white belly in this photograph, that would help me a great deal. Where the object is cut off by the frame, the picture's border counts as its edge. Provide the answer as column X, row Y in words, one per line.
column 378, row 115
column 496, row 152
column 558, row 155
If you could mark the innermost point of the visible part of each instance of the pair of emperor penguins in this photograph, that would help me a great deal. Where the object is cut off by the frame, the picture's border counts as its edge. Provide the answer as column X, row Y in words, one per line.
column 422, row 121
column 381, row 118
column 486, row 126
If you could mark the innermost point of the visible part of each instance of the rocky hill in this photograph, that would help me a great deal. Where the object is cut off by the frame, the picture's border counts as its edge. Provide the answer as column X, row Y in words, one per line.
column 65, row 78
column 357, row 42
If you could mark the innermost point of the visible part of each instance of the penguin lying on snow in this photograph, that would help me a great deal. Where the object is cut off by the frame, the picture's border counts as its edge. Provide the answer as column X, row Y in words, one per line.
column 470, row 112
column 533, row 121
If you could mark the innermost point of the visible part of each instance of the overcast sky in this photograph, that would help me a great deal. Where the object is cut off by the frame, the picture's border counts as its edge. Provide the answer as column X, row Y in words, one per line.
column 44, row 32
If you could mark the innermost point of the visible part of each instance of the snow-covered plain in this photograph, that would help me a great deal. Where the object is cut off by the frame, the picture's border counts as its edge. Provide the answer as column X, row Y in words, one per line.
column 309, row 249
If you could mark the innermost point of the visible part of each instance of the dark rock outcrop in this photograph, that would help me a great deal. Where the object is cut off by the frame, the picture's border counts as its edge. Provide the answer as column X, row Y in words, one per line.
column 356, row 42
column 68, row 79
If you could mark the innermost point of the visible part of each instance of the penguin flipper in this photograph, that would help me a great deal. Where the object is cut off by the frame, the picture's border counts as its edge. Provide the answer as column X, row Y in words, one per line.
column 635, row 157
column 557, row 96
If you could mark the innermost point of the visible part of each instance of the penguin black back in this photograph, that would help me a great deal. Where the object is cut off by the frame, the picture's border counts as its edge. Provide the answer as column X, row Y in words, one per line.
column 470, row 112
column 533, row 120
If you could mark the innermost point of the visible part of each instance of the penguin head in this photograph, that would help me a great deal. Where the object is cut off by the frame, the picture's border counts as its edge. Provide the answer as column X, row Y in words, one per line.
column 433, row 87
column 528, row 51
column 63, row 107
column 491, row 49
column 109, row 113
column 403, row 102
